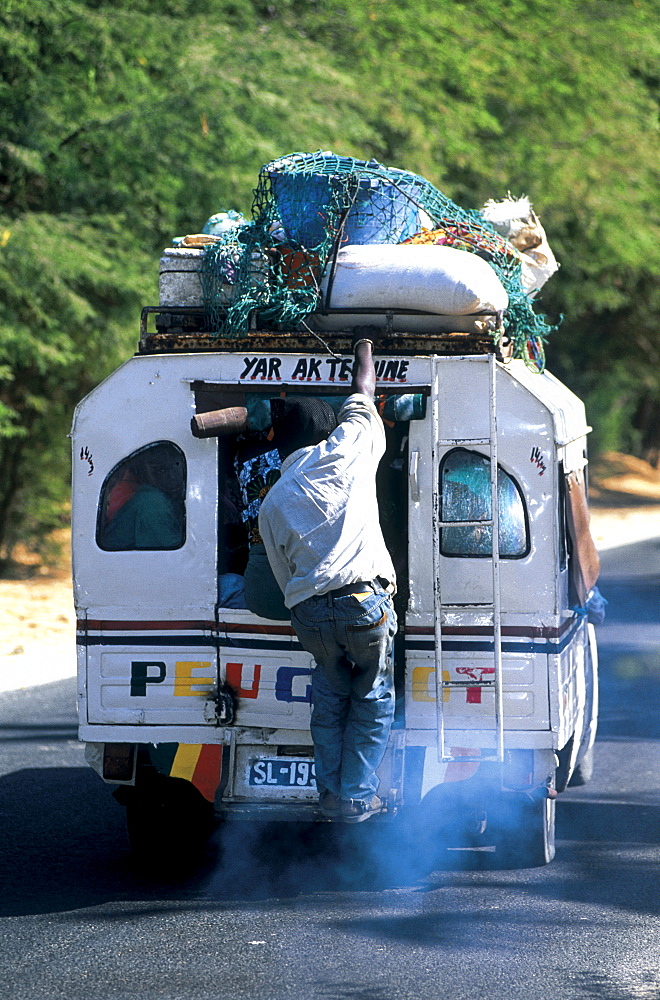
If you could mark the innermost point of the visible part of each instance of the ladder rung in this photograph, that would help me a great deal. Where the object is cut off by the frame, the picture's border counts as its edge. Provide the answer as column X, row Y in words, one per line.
column 465, row 524
column 462, row 607
column 447, row 442
column 467, row 684
column 469, row 760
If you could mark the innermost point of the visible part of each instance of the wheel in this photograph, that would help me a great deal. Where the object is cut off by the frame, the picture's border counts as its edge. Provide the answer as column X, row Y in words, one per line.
column 524, row 830
column 167, row 819
column 575, row 763
column 585, row 763
column 584, row 770
column 563, row 768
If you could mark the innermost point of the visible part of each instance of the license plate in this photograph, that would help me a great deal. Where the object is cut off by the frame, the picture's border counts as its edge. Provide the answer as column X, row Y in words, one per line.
column 282, row 771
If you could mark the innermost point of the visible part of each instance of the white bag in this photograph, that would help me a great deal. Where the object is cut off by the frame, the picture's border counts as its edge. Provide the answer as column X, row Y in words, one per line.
column 516, row 220
column 431, row 279
column 542, row 265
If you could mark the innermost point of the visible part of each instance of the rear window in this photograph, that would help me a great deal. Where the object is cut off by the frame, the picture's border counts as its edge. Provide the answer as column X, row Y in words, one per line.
column 465, row 495
column 142, row 501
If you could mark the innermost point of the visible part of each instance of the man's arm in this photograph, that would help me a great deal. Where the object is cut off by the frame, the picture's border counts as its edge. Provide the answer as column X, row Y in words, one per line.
column 364, row 373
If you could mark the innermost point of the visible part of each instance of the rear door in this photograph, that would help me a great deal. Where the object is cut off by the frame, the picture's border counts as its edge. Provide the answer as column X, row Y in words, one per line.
column 145, row 550
column 453, row 463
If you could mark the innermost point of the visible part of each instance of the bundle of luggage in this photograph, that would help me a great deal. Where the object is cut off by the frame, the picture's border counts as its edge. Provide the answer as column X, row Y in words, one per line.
column 335, row 242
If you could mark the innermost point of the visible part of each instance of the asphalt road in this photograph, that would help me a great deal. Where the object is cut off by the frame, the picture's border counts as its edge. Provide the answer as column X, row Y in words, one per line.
column 296, row 915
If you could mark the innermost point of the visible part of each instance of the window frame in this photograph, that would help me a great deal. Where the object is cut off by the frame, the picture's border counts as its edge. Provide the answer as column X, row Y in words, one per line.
column 102, row 499
column 518, row 488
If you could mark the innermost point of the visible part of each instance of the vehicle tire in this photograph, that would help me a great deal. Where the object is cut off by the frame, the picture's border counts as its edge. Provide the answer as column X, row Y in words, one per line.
column 562, row 773
column 167, row 820
column 526, row 839
column 583, row 770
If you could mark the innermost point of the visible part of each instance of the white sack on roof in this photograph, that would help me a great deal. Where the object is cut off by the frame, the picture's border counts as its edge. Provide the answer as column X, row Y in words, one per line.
column 516, row 220
column 433, row 279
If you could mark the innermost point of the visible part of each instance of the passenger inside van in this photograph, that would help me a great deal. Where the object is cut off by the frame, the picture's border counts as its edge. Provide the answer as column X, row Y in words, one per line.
column 142, row 502
column 257, row 465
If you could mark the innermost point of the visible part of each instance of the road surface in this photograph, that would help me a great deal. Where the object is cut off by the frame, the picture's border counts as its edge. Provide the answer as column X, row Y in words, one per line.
column 280, row 913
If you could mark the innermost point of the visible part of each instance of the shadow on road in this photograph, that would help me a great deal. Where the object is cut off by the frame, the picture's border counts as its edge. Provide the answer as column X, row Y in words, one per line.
column 34, row 733
column 629, row 694
column 63, row 847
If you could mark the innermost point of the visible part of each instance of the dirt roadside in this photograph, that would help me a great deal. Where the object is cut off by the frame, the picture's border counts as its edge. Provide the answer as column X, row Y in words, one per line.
column 624, row 496
column 37, row 618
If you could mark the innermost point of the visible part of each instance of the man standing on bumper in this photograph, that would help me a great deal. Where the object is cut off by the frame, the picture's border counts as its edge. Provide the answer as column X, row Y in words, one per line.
column 320, row 526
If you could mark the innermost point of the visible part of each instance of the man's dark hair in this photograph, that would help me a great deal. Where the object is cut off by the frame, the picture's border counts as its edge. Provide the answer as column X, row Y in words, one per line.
column 299, row 423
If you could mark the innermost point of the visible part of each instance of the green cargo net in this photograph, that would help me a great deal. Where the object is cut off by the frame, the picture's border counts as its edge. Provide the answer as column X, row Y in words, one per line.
column 309, row 205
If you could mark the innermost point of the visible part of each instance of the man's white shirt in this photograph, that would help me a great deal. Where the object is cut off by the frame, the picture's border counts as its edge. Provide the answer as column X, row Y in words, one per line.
column 319, row 522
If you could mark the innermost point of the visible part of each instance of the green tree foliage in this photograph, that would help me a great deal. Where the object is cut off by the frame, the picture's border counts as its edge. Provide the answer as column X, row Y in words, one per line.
column 125, row 123
column 558, row 100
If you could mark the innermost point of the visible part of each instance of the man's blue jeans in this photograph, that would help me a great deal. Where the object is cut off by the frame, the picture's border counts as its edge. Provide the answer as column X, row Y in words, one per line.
column 352, row 685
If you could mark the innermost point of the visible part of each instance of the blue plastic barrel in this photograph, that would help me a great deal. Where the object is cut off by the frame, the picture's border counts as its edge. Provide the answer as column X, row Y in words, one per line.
column 381, row 213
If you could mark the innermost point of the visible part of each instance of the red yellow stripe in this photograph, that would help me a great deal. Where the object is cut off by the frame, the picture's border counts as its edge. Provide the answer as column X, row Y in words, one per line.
column 201, row 764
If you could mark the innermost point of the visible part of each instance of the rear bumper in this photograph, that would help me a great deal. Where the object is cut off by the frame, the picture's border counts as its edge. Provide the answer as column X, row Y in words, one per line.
column 514, row 739
column 275, row 812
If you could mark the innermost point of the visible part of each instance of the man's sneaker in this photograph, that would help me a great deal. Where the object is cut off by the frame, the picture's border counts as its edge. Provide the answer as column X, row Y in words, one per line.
column 357, row 810
column 330, row 805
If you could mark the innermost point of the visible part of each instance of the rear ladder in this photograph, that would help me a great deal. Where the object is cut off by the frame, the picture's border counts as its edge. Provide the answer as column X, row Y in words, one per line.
column 443, row 683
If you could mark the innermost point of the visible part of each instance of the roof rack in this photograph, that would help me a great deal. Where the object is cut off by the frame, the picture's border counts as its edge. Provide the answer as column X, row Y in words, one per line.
column 183, row 329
